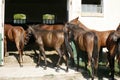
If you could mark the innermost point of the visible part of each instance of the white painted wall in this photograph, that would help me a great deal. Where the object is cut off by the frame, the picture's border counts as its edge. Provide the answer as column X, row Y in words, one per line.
column 2, row 29
column 110, row 19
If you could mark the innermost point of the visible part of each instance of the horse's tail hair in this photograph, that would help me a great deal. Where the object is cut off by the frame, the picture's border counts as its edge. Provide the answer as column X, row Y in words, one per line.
column 68, row 46
column 95, row 48
column 118, row 50
column 22, row 39
column 69, row 50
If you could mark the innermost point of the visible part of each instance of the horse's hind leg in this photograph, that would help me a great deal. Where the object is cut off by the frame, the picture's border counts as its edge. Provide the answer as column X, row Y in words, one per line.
column 20, row 51
column 60, row 56
column 90, row 65
column 111, row 61
column 5, row 47
column 20, row 57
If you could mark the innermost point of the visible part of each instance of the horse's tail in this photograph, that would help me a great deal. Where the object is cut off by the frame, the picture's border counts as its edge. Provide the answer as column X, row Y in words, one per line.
column 118, row 52
column 95, row 48
column 66, row 43
column 69, row 49
column 22, row 39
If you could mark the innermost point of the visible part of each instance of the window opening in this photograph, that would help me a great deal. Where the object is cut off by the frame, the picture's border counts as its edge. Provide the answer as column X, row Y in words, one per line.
column 48, row 19
column 92, row 7
column 19, row 18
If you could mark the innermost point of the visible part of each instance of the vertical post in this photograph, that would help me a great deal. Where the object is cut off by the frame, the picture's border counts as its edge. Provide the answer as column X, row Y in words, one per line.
column 69, row 9
column 2, row 3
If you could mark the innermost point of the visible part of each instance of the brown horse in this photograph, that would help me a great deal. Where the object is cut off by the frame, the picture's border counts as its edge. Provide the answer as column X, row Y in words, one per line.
column 102, row 35
column 113, row 46
column 17, row 35
column 86, row 41
column 49, row 38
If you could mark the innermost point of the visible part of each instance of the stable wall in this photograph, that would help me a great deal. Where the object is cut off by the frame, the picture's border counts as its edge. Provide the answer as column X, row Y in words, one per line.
column 110, row 19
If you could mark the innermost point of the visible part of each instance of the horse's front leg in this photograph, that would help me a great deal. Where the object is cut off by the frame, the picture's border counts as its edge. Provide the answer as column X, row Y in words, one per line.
column 43, row 53
column 66, row 60
column 38, row 61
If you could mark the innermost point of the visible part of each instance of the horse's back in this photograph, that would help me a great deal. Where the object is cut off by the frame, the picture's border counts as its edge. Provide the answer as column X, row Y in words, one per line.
column 58, row 27
column 55, row 37
column 103, row 35
column 50, row 38
column 49, row 27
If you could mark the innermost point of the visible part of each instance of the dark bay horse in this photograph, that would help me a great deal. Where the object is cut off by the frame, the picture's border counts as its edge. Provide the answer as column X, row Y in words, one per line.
column 15, row 34
column 113, row 46
column 48, row 38
column 54, row 28
column 86, row 41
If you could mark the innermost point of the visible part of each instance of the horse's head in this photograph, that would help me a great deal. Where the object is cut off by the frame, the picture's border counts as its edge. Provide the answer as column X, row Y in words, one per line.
column 28, row 34
column 75, row 21
column 26, row 38
column 116, row 36
column 71, row 30
column 118, row 28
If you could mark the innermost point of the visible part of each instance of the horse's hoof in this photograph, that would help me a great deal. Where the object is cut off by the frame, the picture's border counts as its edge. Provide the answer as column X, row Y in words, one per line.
column 21, row 66
column 112, row 79
column 67, row 70
column 77, row 69
column 57, row 70
column 37, row 66
column 45, row 68
column 7, row 54
column 92, row 78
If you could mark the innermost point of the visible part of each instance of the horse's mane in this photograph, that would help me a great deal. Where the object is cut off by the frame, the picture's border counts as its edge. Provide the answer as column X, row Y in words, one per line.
column 75, row 27
column 78, row 22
